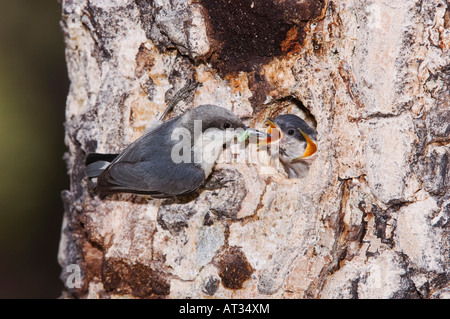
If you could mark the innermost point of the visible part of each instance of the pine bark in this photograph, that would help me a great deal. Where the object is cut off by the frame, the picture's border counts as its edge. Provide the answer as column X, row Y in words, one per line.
column 371, row 218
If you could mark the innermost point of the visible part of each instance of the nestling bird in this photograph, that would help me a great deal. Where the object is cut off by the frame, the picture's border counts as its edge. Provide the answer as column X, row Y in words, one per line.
column 161, row 164
column 296, row 141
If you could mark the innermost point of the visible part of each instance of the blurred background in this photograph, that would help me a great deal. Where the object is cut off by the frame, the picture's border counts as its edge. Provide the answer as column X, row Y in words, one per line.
column 33, row 90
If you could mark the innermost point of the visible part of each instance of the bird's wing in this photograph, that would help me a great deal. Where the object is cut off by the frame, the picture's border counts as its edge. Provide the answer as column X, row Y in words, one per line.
column 155, row 179
column 151, row 143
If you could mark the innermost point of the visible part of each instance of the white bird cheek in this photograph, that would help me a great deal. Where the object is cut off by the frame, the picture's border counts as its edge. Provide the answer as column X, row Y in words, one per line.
column 295, row 148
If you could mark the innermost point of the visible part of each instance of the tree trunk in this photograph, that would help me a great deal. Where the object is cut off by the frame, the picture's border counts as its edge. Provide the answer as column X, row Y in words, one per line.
column 371, row 218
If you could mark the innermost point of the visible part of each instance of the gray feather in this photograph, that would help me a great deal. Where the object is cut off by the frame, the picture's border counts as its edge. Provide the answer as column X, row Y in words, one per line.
column 157, row 179
column 96, row 168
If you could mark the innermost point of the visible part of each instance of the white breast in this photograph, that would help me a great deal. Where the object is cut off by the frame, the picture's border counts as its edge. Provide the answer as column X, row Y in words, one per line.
column 208, row 147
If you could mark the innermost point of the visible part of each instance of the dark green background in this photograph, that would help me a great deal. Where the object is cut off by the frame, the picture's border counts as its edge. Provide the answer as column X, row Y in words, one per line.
column 33, row 89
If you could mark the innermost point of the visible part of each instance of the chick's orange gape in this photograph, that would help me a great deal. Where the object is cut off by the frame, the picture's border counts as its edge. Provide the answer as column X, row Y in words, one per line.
column 311, row 147
column 275, row 134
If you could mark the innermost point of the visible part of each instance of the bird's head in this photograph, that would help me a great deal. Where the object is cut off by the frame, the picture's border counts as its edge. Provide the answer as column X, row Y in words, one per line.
column 293, row 135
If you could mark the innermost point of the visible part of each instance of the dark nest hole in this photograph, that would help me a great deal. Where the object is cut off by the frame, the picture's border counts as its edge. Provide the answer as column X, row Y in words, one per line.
column 290, row 105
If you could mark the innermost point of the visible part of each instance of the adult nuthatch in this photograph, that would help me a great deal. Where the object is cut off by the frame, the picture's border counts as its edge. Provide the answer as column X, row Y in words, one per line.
column 296, row 141
column 159, row 164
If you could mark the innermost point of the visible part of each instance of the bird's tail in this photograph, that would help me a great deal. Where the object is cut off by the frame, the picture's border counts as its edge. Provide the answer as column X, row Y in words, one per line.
column 96, row 163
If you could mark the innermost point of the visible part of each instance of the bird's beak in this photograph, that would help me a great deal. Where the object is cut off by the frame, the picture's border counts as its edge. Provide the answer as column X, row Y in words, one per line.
column 253, row 132
column 311, row 148
column 274, row 134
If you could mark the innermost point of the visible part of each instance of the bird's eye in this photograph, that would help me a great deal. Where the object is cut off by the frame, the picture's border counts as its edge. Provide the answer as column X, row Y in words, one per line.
column 226, row 125
column 291, row 132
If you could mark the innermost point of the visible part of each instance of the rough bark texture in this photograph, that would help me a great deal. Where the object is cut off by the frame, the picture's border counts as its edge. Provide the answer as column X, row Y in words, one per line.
column 371, row 219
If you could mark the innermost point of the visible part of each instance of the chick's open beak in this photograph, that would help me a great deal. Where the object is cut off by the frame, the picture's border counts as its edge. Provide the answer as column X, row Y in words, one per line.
column 311, row 148
column 274, row 134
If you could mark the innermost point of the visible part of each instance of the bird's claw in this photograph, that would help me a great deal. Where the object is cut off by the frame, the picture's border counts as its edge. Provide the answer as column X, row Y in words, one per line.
column 217, row 184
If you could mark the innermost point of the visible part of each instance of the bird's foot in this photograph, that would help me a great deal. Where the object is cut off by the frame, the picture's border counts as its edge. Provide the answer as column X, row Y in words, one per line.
column 217, row 183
